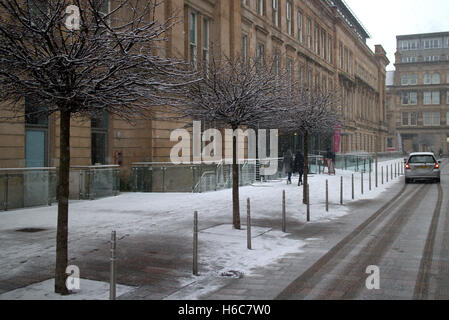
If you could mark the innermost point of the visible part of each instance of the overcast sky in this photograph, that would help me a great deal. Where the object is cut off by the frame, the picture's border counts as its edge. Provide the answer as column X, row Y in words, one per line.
column 385, row 19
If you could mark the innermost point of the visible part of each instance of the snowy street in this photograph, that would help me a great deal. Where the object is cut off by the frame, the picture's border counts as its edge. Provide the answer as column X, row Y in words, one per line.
column 154, row 233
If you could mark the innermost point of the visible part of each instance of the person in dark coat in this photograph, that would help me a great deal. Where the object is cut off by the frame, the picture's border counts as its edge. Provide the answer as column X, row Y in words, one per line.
column 288, row 164
column 299, row 166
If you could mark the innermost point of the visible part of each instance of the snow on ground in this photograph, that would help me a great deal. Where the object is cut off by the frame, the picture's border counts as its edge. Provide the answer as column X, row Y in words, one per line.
column 89, row 290
column 223, row 248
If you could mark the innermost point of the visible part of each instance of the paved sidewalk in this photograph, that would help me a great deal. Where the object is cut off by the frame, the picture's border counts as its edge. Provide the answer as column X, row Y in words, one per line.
column 268, row 282
column 154, row 246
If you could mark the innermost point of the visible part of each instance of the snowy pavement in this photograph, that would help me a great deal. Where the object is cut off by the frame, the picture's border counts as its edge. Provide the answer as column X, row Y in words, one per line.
column 159, row 227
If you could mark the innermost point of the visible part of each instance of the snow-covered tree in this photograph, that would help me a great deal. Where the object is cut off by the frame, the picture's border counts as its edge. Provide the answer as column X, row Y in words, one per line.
column 80, row 58
column 307, row 111
column 234, row 93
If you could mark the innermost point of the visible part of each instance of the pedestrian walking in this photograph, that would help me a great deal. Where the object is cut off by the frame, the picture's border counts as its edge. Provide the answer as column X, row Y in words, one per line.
column 299, row 166
column 288, row 165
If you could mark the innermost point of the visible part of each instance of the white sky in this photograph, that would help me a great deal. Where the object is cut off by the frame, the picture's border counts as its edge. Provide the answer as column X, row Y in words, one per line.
column 385, row 19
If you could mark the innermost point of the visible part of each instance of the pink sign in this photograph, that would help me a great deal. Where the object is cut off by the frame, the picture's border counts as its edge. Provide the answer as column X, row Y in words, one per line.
column 337, row 140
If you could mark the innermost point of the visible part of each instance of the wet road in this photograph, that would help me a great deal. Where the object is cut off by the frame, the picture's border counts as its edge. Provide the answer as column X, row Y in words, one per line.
column 400, row 252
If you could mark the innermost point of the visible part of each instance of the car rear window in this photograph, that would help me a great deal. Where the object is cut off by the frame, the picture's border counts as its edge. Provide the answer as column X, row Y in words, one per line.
column 421, row 159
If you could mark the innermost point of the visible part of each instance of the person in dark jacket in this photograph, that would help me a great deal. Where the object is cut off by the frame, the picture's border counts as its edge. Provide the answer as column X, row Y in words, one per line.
column 288, row 164
column 299, row 166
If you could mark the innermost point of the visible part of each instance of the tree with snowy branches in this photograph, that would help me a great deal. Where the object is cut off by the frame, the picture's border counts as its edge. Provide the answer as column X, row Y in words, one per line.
column 234, row 93
column 307, row 111
column 80, row 58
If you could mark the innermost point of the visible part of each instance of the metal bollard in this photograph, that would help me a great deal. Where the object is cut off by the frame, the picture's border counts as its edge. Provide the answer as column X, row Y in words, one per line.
column 382, row 175
column 327, row 196
column 353, row 191
column 248, row 223
column 369, row 178
column 284, row 223
column 113, row 280
column 361, row 184
column 308, row 204
column 391, row 171
column 341, row 190
column 387, row 174
column 195, row 243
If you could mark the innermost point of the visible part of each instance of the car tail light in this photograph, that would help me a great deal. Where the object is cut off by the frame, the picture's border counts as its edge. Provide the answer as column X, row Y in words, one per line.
column 437, row 166
column 407, row 166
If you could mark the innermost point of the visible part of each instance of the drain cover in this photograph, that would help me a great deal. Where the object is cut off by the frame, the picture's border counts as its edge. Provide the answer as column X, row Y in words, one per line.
column 30, row 230
column 232, row 274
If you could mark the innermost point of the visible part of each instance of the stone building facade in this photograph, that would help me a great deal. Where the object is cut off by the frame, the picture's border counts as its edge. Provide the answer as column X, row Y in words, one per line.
column 321, row 42
column 418, row 94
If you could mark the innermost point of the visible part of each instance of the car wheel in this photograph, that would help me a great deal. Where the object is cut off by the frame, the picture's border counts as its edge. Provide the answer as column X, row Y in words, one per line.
column 438, row 180
column 407, row 181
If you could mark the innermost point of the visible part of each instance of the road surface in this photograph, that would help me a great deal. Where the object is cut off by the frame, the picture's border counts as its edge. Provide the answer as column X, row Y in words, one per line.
column 405, row 243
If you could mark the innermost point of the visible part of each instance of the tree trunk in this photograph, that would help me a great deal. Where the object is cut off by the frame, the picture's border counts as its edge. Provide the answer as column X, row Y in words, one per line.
column 306, row 166
column 235, row 186
column 63, row 206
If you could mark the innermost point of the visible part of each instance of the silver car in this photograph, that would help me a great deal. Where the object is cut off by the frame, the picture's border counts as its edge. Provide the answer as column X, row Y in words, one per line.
column 422, row 166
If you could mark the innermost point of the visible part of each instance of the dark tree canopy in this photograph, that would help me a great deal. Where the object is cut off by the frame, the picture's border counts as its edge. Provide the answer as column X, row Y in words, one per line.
column 111, row 63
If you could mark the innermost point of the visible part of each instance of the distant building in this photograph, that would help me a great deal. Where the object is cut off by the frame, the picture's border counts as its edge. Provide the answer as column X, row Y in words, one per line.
column 418, row 94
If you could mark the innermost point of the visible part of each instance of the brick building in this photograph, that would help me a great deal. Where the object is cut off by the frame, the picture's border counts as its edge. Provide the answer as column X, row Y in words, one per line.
column 321, row 42
column 418, row 94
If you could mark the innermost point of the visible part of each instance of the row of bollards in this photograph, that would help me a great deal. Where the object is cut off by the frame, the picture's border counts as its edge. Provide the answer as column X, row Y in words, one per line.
column 394, row 172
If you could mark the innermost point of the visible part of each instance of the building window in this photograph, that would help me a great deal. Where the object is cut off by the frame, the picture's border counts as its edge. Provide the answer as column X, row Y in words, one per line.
column 431, row 118
column 409, row 59
column 309, row 33
column 341, row 55
column 413, row 118
column 329, row 51
column 260, row 7
column 447, row 97
column 405, row 45
column 436, row 78
column 316, row 40
column 37, row 9
column 405, row 118
column 435, row 97
column 431, row 97
column 36, row 134
column 413, row 79
column 276, row 62
column 260, row 53
column 289, row 69
column 276, row 12
column 409, row 98
column 427, row 98
column 323, row 44
column 427, row 78
column 447, row 119
column 432, row 43
column 289, row 16
column 300, row 27
column 206, row 43
column 244, row 47
column 193, row 38
column 301, row 75
column 404, row 80
column 99, row 138
column 431, row 58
